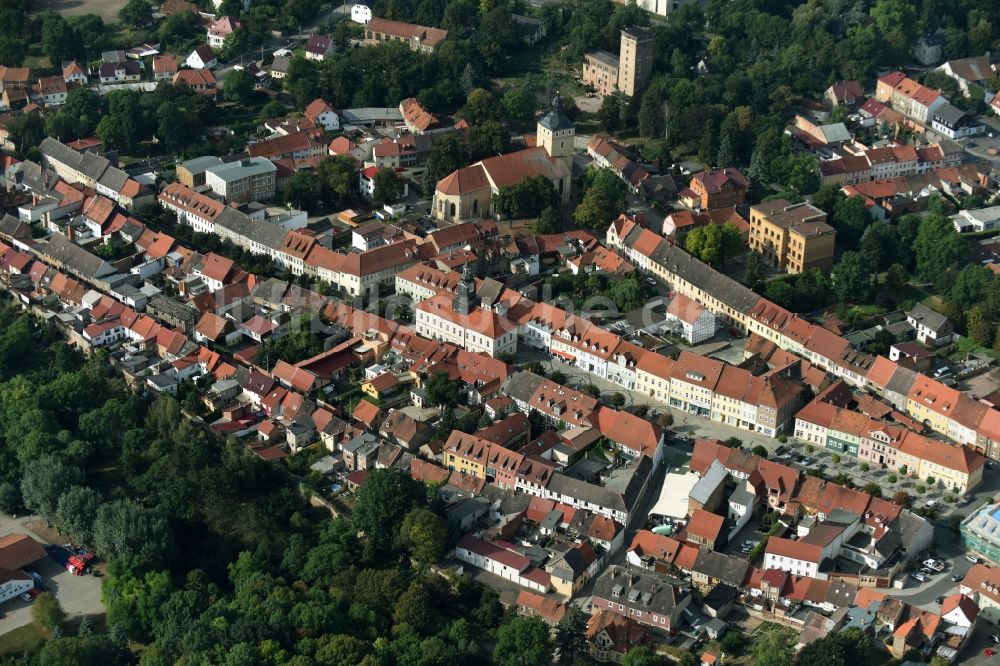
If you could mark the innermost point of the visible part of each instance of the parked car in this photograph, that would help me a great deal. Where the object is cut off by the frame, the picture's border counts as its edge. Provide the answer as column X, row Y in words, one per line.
column 919, row 577
column 26, row 596
column 995, row 638
column 957, row 577
column 972, row 558
column 939, row 600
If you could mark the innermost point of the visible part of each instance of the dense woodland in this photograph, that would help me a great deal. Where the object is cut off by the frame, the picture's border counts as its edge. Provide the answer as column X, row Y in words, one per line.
column 215, row 556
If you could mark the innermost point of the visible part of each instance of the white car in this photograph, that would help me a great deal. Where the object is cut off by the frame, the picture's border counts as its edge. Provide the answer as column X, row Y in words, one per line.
column 972, row 558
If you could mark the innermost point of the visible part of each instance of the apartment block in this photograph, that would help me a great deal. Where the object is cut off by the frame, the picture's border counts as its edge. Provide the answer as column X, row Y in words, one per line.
column 793, row 237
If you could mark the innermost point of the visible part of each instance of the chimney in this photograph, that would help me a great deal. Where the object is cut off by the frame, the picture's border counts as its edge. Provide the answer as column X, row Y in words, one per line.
column 69, row 231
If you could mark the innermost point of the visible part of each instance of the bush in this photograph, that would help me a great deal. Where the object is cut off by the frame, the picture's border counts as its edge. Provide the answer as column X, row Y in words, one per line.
column 902, row 470
column 864, row 467
column 921, row 489
column 810, row 448
column 892, row 478
column 783, row 438
column 835, row 459
column 949, row 498
column 760, row 451
column 734, row 442
column 930, row 480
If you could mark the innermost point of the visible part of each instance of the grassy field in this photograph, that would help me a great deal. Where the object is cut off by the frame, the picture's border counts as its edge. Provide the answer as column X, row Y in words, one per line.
column 20, row 640
column 106, row 9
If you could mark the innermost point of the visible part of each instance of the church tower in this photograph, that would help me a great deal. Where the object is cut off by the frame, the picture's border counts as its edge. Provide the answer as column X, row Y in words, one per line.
column 465, row 300
column 556, row 132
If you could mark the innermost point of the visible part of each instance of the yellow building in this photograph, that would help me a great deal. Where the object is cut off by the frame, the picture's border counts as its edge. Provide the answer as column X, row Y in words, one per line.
column 466, row 453
column 793, row 237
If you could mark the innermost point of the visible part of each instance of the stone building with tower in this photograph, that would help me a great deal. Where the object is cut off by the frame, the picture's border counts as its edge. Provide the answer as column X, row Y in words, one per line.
column 629, row 71
column 474, row 317
column 468, row 193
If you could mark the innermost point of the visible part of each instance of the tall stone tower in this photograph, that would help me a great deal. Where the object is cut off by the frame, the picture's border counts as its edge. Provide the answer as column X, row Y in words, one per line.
column 635, row 60
column 556, row 132
column 465, row 300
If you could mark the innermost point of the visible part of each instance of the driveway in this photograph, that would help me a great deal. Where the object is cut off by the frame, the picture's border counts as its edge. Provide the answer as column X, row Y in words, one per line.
column 78, row 595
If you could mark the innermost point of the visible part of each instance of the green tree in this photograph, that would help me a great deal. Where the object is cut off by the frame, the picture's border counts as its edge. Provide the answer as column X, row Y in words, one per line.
column 526, row 199
column 896, row 276
column 336, row 176
column 979, row 326
column 603, row 199
column 940, row 251
column 480, row 107
column 487, row 139
column 236, row 43
column 303, row 190
column 76, row 511
column 383, row 502
column 27, row 130
column 425, row 534
column 609, row 115
column 754, row 270
column 549, row 222
column 129, row 532
column 388, row 186
column 447, row 155
column 47, row 612
column 238, row 86
column 59, row 40
column 852, row 279
column 45, row 481
column 519, row 105
column 10, row 497
column 523, row 641
column 571, row 637
column 773, row 650
column 114, row 132
column 642, row 656
column 441, row 390
column 136, row 13
column 714, row 244
column 850, row 218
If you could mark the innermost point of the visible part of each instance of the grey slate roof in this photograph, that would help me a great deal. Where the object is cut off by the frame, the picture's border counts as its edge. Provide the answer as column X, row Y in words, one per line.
column 269, row 235
column 75, row 258
column 707, row 484
column 683, row 265
column 950, row 115
column 640, row 590
column 605, row 57
column 555, row 120
column 619, row 493
column 522, row 385
column 927, row 317
column 902, row 381
column 729, row 570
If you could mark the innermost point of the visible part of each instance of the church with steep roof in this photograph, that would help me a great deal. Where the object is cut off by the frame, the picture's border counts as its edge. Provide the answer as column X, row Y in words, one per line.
column 467, row 193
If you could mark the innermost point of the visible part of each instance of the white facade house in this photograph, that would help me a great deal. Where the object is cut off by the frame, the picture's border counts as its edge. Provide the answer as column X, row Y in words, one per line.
column 932, row 328
column 14, row 583
column 689, row 319
column 502, row 562
column 202, row 58
column 361, row 14
column 980, row 219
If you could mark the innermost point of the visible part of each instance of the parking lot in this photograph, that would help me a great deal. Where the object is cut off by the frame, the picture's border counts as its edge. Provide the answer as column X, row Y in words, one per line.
column 79, row 595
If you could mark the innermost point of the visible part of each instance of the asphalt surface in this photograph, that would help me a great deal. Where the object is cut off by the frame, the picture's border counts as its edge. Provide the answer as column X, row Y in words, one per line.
column 78, row 595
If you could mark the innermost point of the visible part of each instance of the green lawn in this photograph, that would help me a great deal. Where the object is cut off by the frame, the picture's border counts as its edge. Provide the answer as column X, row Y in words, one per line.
column 22, row 639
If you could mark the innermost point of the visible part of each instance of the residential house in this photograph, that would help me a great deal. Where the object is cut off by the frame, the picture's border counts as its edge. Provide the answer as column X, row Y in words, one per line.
column 932, row 328
column 221, row 28
column 793, row 237
column 318, row 47
column 201, row 81
column 645, row 597
column 500, row 559
column 322, row 115
column 164, row 67
column 202, row 58
column 417, row 37
column 717, row 188
column 611, row 636
column 73, row 73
